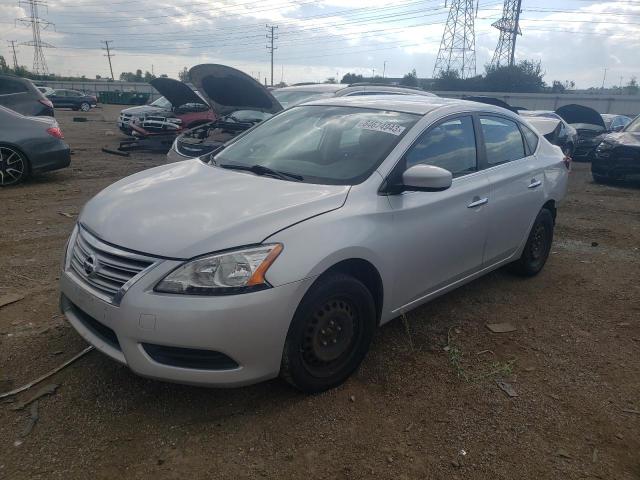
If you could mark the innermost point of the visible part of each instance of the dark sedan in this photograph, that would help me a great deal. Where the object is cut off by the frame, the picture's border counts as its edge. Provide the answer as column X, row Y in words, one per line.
column 72, row 99
column 22, row 96
column 618, row 156
column 29, row 145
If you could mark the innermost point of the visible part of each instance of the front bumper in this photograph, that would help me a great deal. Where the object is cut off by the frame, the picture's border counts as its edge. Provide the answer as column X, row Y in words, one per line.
column 249, row 328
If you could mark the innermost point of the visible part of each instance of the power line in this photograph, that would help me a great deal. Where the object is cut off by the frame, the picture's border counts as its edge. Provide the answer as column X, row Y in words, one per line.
column 15, row 58
column 271, row 36
column 457, row 47
column 39, row 62
column 109, row 55
column 509, row 26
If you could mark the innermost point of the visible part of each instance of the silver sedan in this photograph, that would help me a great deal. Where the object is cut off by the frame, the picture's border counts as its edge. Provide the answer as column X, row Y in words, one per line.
column 281, row 253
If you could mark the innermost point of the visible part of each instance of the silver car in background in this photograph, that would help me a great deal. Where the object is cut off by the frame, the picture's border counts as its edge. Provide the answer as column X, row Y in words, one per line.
column 282, row 253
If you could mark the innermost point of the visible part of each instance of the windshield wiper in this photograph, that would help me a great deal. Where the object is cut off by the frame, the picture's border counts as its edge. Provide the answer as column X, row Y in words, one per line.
column 262, row 170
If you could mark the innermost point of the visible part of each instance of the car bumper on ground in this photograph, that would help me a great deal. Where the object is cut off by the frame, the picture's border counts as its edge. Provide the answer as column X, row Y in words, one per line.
column 220, row 341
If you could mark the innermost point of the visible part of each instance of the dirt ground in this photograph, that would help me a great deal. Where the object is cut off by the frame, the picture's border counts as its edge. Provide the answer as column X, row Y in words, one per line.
column 425, row 404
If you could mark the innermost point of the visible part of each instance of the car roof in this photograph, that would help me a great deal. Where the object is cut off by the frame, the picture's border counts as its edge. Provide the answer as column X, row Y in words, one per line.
column 363, row 87
column 318, row 87
column 416, row 104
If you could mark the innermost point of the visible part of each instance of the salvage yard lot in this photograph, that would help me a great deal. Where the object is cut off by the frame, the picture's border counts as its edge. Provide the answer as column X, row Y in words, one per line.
column 425, row 404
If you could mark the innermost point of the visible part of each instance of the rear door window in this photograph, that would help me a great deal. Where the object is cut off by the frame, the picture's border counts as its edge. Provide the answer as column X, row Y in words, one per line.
column 503, row 140
column 9, row 86
column 531, row 138
column 450, row 145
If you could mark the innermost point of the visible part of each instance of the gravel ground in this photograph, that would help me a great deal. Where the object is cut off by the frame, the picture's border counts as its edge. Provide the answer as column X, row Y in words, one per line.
column 425, row 404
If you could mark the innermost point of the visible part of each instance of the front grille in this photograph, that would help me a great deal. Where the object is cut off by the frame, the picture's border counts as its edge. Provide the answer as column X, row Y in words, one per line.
column 103, row 268
column 98, row 329
column 161, row 124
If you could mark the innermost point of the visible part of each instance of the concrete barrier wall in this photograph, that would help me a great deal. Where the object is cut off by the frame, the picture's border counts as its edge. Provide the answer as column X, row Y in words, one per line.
column 603, row 103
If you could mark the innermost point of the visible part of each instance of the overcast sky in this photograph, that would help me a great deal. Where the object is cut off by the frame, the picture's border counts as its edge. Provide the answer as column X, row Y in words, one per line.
column 575, row 39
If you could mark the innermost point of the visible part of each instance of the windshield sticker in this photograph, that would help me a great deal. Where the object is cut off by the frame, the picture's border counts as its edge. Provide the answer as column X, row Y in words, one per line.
column 385, row 127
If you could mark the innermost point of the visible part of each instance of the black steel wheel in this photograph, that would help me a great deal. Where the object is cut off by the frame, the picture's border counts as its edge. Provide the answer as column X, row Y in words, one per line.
column 538, row 246
column 13, row 166
column 330, row 334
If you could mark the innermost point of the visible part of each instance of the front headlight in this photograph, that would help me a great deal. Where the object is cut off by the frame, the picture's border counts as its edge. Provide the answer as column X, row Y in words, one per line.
column 226, row 273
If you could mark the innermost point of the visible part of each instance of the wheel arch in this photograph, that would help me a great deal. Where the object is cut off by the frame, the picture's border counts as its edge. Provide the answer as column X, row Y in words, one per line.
column 21, row 151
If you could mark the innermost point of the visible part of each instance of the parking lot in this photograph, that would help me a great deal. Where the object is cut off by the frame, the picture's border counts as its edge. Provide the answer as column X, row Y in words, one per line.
column 425, row 404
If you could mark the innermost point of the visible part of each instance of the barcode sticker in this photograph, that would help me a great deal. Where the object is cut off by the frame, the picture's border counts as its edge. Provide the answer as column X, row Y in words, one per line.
column 385, row 127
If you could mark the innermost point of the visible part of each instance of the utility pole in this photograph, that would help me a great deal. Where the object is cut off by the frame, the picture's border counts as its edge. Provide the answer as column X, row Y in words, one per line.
column 109, row 55
column 271, row 36
column 509, row 26
column 15, row 58
column 458, row 45
column 604, row 77
column 384, row 68
column 35, row 22
column 373, row 73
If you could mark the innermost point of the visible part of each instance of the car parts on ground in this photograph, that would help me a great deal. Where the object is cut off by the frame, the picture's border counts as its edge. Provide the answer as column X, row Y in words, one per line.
column 29, row 145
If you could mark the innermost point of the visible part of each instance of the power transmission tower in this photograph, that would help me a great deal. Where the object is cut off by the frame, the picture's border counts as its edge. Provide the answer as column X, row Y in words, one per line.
column 271, row 36
column 33, row 20
column 15, row 58
column 509, row 26
column 109, row 55
column 458, row 46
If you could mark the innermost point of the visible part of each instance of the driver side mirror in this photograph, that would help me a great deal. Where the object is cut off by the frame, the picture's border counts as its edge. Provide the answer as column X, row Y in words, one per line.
column 426, row 178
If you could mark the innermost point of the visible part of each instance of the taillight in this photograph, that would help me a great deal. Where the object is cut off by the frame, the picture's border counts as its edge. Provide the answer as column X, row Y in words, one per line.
column 55, row 132
column 46, row 102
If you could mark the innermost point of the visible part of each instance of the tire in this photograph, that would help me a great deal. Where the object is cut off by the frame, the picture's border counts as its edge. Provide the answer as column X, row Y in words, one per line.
column 330, row 334
column 602, row 179
column 536, row 251
column 85, row 107
column 14, row 166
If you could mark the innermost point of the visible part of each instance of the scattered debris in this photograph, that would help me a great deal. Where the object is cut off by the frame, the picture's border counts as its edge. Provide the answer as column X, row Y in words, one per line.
column 46, row 390
column 594, row 456
column 501, row 327
column 530, row 369
column 352, row 398
column 80, row 119
column 46, row 375
column 389, row 459
column 65, row 214
column 563, row 453
column 628, row 410
column 624, row 324
column 17, row 443
column 33, row 419
column 115, row 152
column 594, row 244
column 619, row 436
column 482, row 352
column 507, row 388
column 10, row 298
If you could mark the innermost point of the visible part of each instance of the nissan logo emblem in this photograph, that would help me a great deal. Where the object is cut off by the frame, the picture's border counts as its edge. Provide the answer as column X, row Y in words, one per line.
column 90, row 265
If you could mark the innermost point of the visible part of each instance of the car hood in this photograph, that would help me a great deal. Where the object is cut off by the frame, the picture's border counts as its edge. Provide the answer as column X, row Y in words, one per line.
column 627, row 139
column 573, row 114
column 177, row 92
column 142, row 110
column 188, row 208
column 228, row 90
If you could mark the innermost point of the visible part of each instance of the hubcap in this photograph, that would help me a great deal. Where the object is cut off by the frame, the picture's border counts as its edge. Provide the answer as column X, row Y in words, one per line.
column 12, row 166
column 539, row 242
column 329, row 335
column 84, row 107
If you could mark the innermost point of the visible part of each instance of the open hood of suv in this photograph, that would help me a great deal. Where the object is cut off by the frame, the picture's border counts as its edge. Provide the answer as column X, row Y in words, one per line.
column 178, row 93
column 573, row 114
column 228, row 90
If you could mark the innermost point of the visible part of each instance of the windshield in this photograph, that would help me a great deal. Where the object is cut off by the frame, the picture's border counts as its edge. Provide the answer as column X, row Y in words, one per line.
column 322, row 144
column 634, row 126
column 162, row 103
column 289, row 98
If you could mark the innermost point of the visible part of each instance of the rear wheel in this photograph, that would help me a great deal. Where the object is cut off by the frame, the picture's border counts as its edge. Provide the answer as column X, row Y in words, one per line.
column 538, row 246
column 85, row 107
column 14, row 167
column 330, row 334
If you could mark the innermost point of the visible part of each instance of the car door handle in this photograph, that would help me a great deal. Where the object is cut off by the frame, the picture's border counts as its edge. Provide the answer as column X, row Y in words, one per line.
column 535, row 183
column 477, row 201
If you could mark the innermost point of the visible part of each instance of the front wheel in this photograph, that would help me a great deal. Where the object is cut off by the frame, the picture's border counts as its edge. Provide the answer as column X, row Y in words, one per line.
column 538, row 246
column 85, row 107
column 330, row 334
